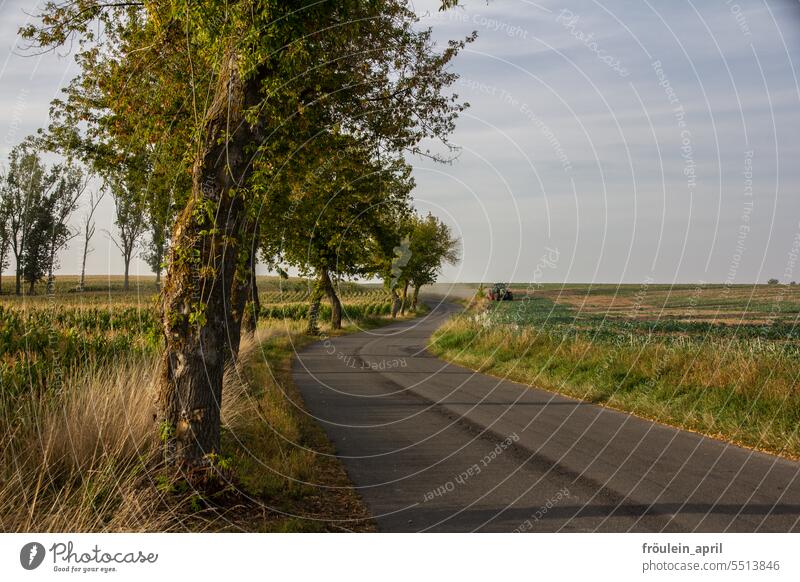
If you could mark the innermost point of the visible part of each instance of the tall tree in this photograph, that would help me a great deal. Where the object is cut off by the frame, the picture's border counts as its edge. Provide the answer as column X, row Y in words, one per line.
column 329, row 215
column 280, row 69
column 29, row 184
column 159, row 217
column 89, row 228
column 389, row 251
column 72, row 183
column 129, row 218
column 5, row 232
column 432, row 246
column 168, row 182
column 36, row 253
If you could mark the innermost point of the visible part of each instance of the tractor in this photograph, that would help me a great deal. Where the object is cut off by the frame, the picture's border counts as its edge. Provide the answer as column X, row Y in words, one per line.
column 500, row 292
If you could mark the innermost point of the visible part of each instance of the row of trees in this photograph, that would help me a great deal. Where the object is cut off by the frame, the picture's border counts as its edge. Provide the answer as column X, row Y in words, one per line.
column 255, row 129
column 37, row 202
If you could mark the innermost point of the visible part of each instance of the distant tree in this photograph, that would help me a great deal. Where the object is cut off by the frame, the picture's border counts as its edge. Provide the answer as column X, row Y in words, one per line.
column 129, row 219
column 432, row 246
column 329, row 215
column 89, row 230
column 390, row 252
column 5, row 234
column 772, row 282
column 62, row 202
column 27, row 189
column 159, row 219
column 167, row 182
column 425, row 246
column 36, row 253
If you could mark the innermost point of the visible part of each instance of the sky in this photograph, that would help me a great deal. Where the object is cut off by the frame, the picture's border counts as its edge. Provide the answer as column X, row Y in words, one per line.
column 619, row 141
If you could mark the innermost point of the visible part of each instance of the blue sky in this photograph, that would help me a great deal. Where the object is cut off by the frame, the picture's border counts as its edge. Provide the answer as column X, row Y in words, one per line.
column 606, row 141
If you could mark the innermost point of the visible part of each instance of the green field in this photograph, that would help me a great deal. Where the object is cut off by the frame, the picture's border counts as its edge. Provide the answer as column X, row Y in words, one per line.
column 714, row 359
column 78, row 378
column 44, row 338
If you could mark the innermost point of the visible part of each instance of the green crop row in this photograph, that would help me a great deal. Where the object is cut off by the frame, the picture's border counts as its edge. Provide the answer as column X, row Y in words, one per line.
column 40, row 347
column 43, row 344
column 551, row 317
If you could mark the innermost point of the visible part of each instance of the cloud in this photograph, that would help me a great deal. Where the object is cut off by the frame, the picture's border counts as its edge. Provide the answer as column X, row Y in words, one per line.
column 561, row 149
column 559, row 92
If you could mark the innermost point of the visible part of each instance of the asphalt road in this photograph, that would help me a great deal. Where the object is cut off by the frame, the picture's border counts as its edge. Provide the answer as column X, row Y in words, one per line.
column 435, row 447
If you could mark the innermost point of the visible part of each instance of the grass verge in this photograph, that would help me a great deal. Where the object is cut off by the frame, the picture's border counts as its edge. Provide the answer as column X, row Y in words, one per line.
column 741, row 391
column 83, row 458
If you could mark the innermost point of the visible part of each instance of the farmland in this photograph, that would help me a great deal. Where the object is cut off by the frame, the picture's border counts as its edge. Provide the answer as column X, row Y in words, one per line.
column 79, row 372
column 43, row 337
column 720, row 360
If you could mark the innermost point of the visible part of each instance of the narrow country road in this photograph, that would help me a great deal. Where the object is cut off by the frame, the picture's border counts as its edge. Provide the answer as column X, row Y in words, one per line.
column 435, row 447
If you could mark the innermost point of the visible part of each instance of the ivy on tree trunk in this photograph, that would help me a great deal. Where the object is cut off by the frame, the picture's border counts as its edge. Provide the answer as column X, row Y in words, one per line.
column 313, row 309
column 207, row 241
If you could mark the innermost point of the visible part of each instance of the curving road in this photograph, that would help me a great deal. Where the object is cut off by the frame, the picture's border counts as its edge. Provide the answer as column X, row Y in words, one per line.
column 435, row 447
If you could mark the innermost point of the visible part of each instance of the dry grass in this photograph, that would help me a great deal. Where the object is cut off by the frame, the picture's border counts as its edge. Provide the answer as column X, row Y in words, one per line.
column 283, row 458
column 76, row 460
column 79, row 452
column 85, row 459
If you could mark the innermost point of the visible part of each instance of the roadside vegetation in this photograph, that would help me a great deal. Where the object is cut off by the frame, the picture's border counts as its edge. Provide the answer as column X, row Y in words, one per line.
column 714, row 359
column 79, row 381
column 226, row 136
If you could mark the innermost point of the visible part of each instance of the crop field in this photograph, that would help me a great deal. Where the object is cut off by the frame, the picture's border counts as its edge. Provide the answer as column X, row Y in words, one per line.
column 618, row 313
column 45, row 337
column 75, row 366
column 714, row 359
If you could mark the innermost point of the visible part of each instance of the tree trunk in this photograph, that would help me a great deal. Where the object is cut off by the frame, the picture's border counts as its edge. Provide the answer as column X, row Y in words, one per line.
column 18, row 289
column 313, row 307
column 404, row 299
column 127, row 260
column 161, row 253
column 414, row 298
column 255, row 300
column 197, row 303
column 336, row 305
column 83, row 266
column 3, row 255
column 395, row 303
column 50, row 277
column 336, row 311
column 249, row 294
